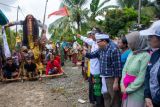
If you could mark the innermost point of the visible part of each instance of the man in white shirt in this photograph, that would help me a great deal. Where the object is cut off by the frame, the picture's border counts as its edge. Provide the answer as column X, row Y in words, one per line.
column 94, row 69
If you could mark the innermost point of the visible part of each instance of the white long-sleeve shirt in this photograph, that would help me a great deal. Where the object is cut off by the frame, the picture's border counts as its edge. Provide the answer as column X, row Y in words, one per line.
column 94, row 63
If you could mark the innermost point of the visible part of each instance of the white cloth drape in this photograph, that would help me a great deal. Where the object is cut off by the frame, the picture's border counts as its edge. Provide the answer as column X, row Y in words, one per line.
column 5, row 44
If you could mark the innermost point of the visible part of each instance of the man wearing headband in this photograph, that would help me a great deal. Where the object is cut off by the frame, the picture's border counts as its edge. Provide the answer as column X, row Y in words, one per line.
column 110, row 69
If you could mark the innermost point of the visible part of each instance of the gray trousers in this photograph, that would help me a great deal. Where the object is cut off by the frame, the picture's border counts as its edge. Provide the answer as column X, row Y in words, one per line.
column 111, row 98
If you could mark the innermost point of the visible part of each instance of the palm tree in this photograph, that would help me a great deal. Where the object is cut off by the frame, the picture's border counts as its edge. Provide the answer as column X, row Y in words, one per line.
column 79, row 15
column 98, row 9
column 76, row 15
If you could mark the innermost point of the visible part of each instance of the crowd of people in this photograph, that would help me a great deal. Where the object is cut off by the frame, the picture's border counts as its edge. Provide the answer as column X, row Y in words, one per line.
column 125, row 73
column 44, row 58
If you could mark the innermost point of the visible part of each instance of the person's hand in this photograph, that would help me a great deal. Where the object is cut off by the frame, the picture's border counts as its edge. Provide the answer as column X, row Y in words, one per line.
column 78, row 35
column 148, row 102
column 123, row 89
column 115, row 86
column 55, row 68
column 84, row 52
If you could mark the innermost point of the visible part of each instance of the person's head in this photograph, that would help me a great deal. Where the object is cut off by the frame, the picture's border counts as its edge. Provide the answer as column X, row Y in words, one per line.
column 29, row 16
column 36, row 42
column 51, row 57
column 122, row 43
column 9, row 60
column 102, row 40
column 137, row 42
column 154, row 41
column 91, row 34
column 24, row 49
column 153, row 34
column 50, row 42
column 29, row 60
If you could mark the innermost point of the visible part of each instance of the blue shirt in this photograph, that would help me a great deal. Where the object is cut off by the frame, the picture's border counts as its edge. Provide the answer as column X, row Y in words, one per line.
column 124, row 56
column 109, row 59
column 64, row 44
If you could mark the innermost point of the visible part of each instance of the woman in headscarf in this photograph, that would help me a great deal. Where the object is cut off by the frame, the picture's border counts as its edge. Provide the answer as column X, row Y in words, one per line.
column 133, row 74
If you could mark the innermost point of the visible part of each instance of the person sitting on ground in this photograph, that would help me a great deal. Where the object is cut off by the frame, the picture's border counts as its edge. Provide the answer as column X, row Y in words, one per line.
column 10, row 69
column 58, row 58
column 53, row 66
column 30, row 68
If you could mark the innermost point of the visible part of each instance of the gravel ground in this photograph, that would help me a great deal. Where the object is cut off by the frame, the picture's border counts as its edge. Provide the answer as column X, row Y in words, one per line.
column 63, row 91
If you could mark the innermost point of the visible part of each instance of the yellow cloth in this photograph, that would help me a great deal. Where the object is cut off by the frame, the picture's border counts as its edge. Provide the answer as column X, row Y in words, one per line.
column 88, row 72
column 40, row 68
column 36, row 52
column 30, row 40
column 53, row 46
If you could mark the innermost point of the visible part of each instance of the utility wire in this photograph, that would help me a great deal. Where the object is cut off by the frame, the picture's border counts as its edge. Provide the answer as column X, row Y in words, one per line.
column 8, row 5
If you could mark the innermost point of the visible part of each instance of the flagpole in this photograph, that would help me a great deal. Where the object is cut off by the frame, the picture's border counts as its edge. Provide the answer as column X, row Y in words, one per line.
column 45, row 13
column 17, row 18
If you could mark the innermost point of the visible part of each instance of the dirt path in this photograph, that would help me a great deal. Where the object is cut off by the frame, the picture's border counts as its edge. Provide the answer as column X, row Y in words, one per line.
column 58, row 92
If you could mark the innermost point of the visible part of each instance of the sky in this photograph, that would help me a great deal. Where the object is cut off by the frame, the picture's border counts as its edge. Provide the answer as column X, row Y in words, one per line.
column 34, row 7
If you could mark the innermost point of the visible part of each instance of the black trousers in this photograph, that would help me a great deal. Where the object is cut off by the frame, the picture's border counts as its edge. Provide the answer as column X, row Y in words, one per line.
column 155, row 105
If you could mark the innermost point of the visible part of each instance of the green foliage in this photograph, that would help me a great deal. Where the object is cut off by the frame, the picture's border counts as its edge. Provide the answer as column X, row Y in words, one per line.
column 11, row 38
column 94, row 5
column 118, row 20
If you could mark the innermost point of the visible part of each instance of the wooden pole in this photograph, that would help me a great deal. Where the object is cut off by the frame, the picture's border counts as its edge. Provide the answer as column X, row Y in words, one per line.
column 17, row 18
column 45, row 13
column 139, row 12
